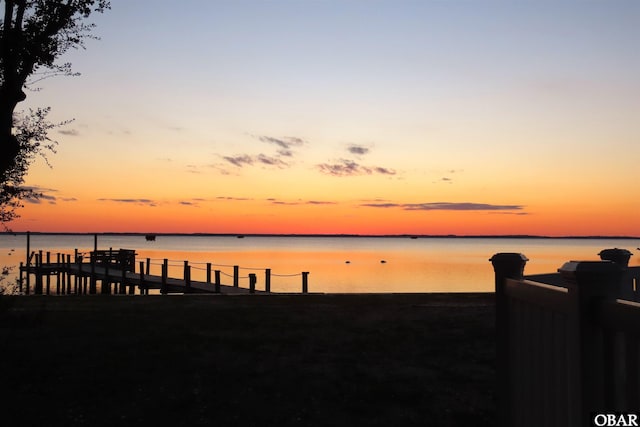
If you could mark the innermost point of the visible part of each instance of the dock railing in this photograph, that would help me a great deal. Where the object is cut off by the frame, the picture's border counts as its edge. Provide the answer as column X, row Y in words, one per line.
column 565, row 353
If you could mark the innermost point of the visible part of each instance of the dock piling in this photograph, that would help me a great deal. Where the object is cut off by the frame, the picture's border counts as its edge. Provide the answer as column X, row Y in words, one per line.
column 58, row 273
column 236, row 276
column 165, row 270
column 217, row 284
column 141, row 285
column 123, row 282
column 252, row 283
column 38, row 287
column 187, row 277
column 267, row 280
column 68, row 281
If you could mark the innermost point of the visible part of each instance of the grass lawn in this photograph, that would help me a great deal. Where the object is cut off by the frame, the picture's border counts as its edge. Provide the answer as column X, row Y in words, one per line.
column 248, row 360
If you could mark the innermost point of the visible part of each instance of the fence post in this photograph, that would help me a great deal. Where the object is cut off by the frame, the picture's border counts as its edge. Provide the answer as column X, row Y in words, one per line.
column 236, row 276
column 589, row 283
column 217, row 284
column 252, row 283
column 148, row 266
column 506, row 265
column 209, row 273
column 305, row 282
column 267, row 280
column 621, row 257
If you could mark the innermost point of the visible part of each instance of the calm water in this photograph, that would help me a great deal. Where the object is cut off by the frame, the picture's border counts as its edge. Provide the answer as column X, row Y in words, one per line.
column 335, row 264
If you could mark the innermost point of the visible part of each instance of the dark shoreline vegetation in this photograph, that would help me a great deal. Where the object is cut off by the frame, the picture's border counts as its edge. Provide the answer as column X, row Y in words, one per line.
column 330, row 360
column 420, row 236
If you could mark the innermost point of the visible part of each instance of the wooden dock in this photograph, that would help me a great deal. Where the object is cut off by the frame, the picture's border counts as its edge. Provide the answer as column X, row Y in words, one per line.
column 114, row 272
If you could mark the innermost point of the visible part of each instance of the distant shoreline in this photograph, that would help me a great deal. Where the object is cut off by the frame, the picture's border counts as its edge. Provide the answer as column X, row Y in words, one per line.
column 412, row 236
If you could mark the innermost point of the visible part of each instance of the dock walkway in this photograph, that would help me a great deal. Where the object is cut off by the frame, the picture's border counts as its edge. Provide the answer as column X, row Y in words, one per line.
column 120, row 280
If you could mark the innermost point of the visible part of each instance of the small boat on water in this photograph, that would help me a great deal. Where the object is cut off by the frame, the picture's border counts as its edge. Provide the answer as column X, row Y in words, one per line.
column 150, row 237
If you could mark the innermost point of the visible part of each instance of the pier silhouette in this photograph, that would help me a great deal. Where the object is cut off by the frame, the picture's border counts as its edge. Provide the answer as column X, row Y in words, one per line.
column 114, row 272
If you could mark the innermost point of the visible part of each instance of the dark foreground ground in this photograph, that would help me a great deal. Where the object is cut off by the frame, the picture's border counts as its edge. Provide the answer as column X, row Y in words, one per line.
column 254, row 360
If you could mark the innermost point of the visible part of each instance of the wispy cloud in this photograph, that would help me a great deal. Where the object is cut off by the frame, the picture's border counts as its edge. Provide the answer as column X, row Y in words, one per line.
column 280, row 159
column 383, row 171
column 466, row 206
column 221, row 168
column 300, row 202
column 447, row 176
column 239, row 160
column 358, row 150
column 40, row 194
column 285, row 203
column 243, row 160
column 44, row 194
column 286, row 143
column 241, row 199
column 346, row 167
column 142, row 202
column 317, row 202
column 39, row 198
column 271, row 161
column 69, row 132
column 446, row 206
column 382, row 205
column 193, row 169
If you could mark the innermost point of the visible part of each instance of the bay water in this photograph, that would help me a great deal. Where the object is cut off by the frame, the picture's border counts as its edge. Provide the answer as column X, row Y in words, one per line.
column 340, row 264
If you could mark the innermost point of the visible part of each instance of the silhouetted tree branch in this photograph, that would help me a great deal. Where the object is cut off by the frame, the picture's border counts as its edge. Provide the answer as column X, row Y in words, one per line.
column 33, row 35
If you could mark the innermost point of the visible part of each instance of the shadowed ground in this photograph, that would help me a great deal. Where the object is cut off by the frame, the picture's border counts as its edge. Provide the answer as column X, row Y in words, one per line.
column 299, row 360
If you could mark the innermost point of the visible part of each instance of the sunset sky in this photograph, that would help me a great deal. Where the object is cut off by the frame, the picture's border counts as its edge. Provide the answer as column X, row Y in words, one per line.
column 347, row 116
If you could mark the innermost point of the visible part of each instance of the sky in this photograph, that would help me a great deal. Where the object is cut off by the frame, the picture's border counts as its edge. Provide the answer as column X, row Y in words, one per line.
column 347, row 116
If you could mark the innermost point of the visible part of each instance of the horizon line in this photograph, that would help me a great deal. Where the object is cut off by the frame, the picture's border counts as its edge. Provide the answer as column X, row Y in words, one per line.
column 494, row 236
